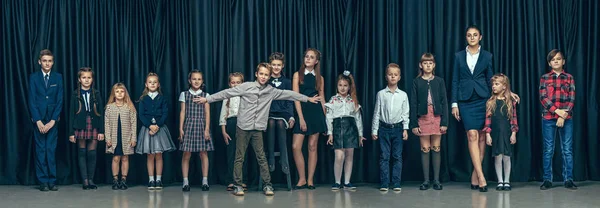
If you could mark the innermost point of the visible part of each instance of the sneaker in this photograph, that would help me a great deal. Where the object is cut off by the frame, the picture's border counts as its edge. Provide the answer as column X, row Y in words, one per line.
column 383, row 188
column 349, row 186
column 158, row 185
column 186, row 188
column 268, row 190
column 205, row 187
column 151, row 185
column 239, row 191
column 424, row 186
column 397, row 187
column 124, row 184
column 437, row 185
column 546, row 185
column 570, row 185
column 116, row 185
column 336, row 186
column 44, row 187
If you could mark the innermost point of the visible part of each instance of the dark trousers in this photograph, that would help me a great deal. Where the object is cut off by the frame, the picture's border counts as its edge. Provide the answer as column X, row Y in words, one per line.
column 231, row 130
column 254, row 137
column 390, row 140
column 45, row 151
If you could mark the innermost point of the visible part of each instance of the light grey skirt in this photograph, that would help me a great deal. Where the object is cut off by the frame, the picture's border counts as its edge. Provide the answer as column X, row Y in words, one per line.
column 157, row 143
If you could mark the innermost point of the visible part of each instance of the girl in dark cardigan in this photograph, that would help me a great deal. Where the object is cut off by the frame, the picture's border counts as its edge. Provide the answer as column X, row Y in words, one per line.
column 429, row 117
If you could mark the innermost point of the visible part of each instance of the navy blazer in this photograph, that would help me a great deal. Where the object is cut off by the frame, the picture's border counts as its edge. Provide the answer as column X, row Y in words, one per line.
column 464, row 83
column 157, row 109
column 45, row 103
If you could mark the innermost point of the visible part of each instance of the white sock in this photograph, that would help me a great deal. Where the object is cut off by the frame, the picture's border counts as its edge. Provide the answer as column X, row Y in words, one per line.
column 158, row 177
column 185, row 181
column 507, row 164
column 151, row 178
column 498, row 166
column 204, row 180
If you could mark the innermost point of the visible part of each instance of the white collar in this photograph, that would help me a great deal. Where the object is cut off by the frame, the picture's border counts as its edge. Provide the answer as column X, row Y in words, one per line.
column 306, row 72
column 152, row 94
column 469, row 52
column 46, row 73
column 387, row 88
column 347, row 98
column 195, row 92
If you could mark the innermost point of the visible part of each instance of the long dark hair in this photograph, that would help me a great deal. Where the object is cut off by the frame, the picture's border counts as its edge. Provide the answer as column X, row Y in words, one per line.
column 79, row 73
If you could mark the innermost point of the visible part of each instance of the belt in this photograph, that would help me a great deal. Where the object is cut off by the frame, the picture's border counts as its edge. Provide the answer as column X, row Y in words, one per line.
column 390, row 126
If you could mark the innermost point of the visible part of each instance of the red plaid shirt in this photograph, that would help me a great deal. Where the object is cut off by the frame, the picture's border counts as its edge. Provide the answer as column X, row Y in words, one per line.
column 557, row 91
column 514, row 124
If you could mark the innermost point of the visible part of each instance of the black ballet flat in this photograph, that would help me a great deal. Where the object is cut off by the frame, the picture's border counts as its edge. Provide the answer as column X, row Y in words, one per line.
column 474, row 187
column 483, row 189
column 301, row 187
column 311, row 187
column 85, row 187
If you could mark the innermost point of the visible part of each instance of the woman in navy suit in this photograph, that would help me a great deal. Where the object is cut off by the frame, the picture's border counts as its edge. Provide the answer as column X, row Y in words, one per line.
column 471, row 77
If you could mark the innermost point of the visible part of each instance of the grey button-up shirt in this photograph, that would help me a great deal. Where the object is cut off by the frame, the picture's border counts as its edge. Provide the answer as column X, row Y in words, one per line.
column 255, row 102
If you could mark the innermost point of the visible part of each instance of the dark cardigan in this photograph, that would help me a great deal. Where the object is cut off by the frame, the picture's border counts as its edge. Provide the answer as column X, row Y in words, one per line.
column 157, row 109
column 418, row 101
column 78, row 120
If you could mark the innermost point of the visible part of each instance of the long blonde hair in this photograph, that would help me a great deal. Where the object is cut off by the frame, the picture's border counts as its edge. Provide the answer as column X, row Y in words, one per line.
column 126, row 100
column 507, row 94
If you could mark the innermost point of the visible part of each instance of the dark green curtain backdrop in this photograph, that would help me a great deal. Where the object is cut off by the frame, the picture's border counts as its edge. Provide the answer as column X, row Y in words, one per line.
column 124, row 40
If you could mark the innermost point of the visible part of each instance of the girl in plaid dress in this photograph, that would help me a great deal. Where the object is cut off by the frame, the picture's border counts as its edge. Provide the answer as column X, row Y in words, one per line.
column 194, row 128
column 86, row 125
column 154, row 137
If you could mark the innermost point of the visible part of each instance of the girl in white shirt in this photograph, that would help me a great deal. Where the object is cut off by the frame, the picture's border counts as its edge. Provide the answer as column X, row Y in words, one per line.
column 344, row 127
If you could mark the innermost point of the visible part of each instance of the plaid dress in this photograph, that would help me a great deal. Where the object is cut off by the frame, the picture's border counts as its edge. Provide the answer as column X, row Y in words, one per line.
column 193, row 126
column 89, row 132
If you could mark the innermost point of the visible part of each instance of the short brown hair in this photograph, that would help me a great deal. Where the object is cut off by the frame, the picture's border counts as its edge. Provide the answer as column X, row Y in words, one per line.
column 553, row 53
column 277, row 56
column 393, row 65
column 45, row 52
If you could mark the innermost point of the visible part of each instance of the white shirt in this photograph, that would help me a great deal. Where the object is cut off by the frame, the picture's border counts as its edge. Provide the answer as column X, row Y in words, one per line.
column 182, row 95
column 471, row 62
column 44, row 74
column 229, row 112
column 306, row 72
column 152, row 95
column 86, row 99
column 339, row 107
column 391, row 108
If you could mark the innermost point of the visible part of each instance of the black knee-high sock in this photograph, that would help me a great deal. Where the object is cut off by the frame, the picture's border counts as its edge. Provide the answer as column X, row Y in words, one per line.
column 91, row 164
column 81, row 158
column 425, row 163
column 437, row 161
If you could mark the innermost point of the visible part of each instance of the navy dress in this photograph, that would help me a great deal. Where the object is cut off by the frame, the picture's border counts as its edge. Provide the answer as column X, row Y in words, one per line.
column 119, row 148
column 312, row 112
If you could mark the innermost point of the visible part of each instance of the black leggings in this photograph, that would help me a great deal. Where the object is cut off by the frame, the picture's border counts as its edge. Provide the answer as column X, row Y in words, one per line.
column 276, row 129
column 87, row 158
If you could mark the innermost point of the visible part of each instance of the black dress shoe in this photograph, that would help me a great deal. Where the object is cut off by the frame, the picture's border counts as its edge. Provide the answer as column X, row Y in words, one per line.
column 474, row 187
column 53, row 187
column 123, row 184
column 507, row 187
column 186, row 188
column 483, row 189
column 570, row 185
column 44, row 187
column 546, row 185
column 301, row 187
column 311, row 187
column 424, row 186
column 437, row 185
column 205, row 187
column 500, row 187
column 85, row 187
column 92, row 185
column 116, row 185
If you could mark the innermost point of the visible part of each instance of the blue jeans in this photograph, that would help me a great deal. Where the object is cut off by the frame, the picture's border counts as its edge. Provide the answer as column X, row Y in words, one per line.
column 391, row 142
column 549, row 130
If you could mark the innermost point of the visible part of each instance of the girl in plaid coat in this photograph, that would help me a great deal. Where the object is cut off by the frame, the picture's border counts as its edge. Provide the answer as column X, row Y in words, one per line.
column 194, row 128
column 86, row 125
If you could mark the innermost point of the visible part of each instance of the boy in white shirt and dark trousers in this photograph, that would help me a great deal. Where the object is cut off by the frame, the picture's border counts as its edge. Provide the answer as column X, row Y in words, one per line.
column 390, row 123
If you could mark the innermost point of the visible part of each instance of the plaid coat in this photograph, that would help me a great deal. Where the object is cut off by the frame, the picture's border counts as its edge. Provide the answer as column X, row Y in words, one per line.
column 128, row 127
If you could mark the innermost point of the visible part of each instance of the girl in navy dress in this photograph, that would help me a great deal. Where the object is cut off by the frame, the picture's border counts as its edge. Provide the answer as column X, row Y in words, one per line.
column 86, row 125
column 194, row 128
column 154, row 137
column 501, row 128
column 311, row 117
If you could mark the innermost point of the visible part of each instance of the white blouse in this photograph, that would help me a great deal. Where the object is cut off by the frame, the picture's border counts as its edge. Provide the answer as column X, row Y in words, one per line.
column 229, row 112
column 339, row 107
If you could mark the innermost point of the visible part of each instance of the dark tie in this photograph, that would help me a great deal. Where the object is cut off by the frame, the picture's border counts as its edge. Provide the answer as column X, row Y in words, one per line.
column 46, row 80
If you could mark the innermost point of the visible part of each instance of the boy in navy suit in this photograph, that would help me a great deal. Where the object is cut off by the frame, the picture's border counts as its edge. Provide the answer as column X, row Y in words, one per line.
column 45, row 105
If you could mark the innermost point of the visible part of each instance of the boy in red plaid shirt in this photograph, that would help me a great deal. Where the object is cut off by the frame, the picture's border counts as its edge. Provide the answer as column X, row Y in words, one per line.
column 557, row 95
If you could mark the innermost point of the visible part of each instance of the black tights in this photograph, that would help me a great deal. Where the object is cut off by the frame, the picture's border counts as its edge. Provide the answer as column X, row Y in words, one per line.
column 87, row 159
column 276, row 129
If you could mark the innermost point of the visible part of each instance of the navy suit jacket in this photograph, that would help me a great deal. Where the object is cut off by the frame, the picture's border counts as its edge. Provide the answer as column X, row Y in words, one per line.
column 45, row 103
column 465, row 83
